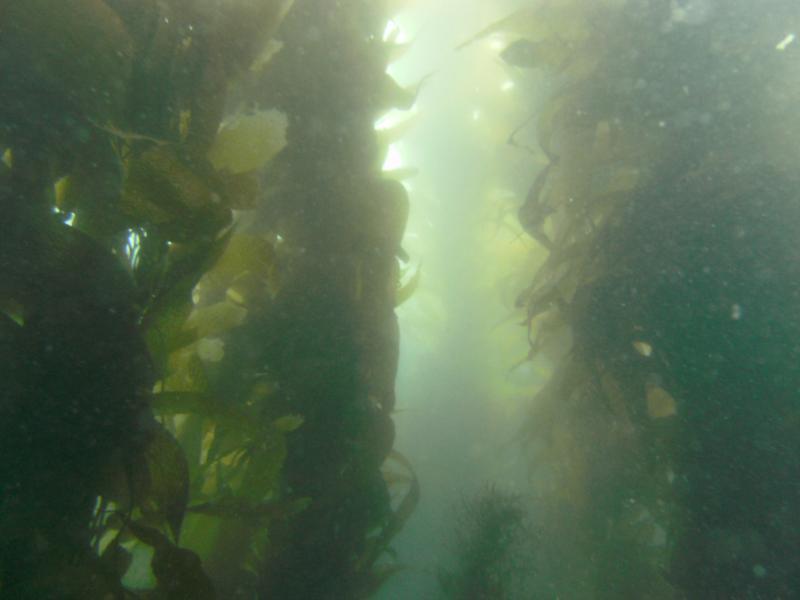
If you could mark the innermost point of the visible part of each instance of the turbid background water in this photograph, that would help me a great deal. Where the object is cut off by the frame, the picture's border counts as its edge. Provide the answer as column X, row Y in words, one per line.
column 452, row 422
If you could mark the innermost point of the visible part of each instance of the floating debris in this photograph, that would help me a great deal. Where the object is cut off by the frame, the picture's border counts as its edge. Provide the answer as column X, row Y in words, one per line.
column 660, row 404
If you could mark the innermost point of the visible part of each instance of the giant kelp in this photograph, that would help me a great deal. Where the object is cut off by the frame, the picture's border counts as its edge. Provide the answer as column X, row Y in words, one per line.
column 343, row 223
column 188, row 374
column 663, row 441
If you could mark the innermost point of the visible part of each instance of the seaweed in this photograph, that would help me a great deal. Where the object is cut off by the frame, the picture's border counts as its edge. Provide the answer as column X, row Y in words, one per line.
column 661, row 143
column 491, row 543
column 182, row 387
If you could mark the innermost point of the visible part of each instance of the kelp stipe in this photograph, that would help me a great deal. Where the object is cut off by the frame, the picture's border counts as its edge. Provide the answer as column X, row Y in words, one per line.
column 332, row 339
column 664, row 151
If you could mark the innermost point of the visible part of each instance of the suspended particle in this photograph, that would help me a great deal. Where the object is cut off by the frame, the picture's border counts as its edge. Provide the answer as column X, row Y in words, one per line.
column 736, row 312
column 643, row 348
column 781, row 46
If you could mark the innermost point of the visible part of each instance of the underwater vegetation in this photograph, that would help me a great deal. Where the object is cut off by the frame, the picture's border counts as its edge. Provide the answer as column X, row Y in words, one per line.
column 663, row 445
column 200, row 260
column 490, row 545
column 199, row 264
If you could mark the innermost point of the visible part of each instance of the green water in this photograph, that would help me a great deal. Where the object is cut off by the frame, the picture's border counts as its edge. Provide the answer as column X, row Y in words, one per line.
column 399, row 299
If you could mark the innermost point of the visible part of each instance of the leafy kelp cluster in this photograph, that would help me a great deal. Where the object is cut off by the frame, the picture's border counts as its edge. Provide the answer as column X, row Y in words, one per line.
column 199, row 268
column 665, row 443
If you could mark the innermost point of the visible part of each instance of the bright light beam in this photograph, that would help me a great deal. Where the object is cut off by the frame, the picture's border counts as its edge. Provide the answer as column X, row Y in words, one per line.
column 393, row 159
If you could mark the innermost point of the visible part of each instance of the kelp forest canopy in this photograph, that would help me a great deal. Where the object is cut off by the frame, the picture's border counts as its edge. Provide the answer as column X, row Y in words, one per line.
column 201, row 256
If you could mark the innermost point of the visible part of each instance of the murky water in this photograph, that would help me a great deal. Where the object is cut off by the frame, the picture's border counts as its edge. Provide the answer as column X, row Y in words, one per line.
column 399, row 299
